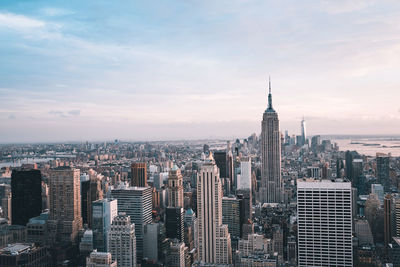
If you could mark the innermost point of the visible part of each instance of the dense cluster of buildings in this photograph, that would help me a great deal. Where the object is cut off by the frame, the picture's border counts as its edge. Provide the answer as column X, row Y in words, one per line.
column 268, row 200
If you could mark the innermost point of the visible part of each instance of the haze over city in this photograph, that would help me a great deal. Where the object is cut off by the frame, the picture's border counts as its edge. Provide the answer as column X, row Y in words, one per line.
column 165, row 70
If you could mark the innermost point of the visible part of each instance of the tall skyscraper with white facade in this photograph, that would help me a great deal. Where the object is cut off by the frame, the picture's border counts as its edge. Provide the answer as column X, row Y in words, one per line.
column 104, row 211
column 122, row 241
column 324, row 223
column 271, row 181
column 136, row 202
column 244, row 179
column 213, row 237
column 65, row 204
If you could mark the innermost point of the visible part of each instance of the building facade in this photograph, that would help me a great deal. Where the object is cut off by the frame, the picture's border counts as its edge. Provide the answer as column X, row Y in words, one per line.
column 175, row 188
column 26, row 188
column 65, row 204
column 139, row 174
column 122, row 241
column 100, row 259
column 104, row 211
column 136, row 202
column 324, row 223
column 213, row 237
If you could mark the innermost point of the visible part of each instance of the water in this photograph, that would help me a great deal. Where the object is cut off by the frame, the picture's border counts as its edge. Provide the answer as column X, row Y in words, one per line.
column 369, row 146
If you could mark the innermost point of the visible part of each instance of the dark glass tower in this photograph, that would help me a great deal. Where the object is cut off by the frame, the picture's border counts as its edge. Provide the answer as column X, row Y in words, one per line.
column 382, row 163
column 174, row 222
column 26, row 201
column 220, row 160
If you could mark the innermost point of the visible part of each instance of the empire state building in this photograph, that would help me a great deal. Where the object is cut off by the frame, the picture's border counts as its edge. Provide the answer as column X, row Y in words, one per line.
column 271, row 181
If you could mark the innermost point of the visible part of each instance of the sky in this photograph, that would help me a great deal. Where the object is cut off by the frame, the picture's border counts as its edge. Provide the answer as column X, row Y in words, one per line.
column 167, row 70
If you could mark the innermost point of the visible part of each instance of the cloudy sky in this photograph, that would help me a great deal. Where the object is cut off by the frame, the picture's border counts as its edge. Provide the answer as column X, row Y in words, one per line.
column 160, row 70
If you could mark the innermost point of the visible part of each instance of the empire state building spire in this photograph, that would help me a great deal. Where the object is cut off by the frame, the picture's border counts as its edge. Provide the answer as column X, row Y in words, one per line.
column 270, row 108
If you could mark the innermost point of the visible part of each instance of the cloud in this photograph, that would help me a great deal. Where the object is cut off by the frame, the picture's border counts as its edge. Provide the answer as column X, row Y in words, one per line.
column 57, row 113
column 65, row 114
column 19, row 22
column 12, row 117
column 75, row 112
column 346, row 6
column 55, row 12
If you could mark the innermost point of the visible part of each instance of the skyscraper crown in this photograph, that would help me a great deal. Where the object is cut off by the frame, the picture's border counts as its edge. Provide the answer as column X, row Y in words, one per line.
column 270, row 108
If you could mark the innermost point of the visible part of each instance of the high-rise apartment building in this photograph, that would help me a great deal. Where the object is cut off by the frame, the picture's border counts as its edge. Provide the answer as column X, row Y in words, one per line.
column 122, row 241
column 213, row 237
column 324, row 223
column 175, row 188
column 104, row 211
column 26, row 201
column 136, row 202
column 271, row 181
column 139, row 174
column 65, row 204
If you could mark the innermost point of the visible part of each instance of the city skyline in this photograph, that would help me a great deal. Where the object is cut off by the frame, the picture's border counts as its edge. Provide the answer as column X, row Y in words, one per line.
column 136, row 71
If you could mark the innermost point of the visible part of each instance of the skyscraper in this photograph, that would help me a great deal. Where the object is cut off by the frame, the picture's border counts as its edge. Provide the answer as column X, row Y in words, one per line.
column 139, row 174
column 174, row 223
column 214, row 238
column 244, row 179
column 104, row 211
column 231, row 215
column 382, row 165
column 175, row 188
column 220, row 160
column 230, row 173
column 176, row 257
column 5, row 201
column 26, row 196
column 122, row 241
column 389, row 220
column 303, row 131
column 85, row 188
column 349, row 165
column 65, row 204
column 136, row 202
column 271, row 182
column 325, row 223
column 174, row 213
column 95, row 193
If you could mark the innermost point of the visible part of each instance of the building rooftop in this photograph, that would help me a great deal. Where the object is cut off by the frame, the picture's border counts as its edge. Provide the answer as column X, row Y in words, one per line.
column 41, row 219
column 324, row 183
column 15, row 249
